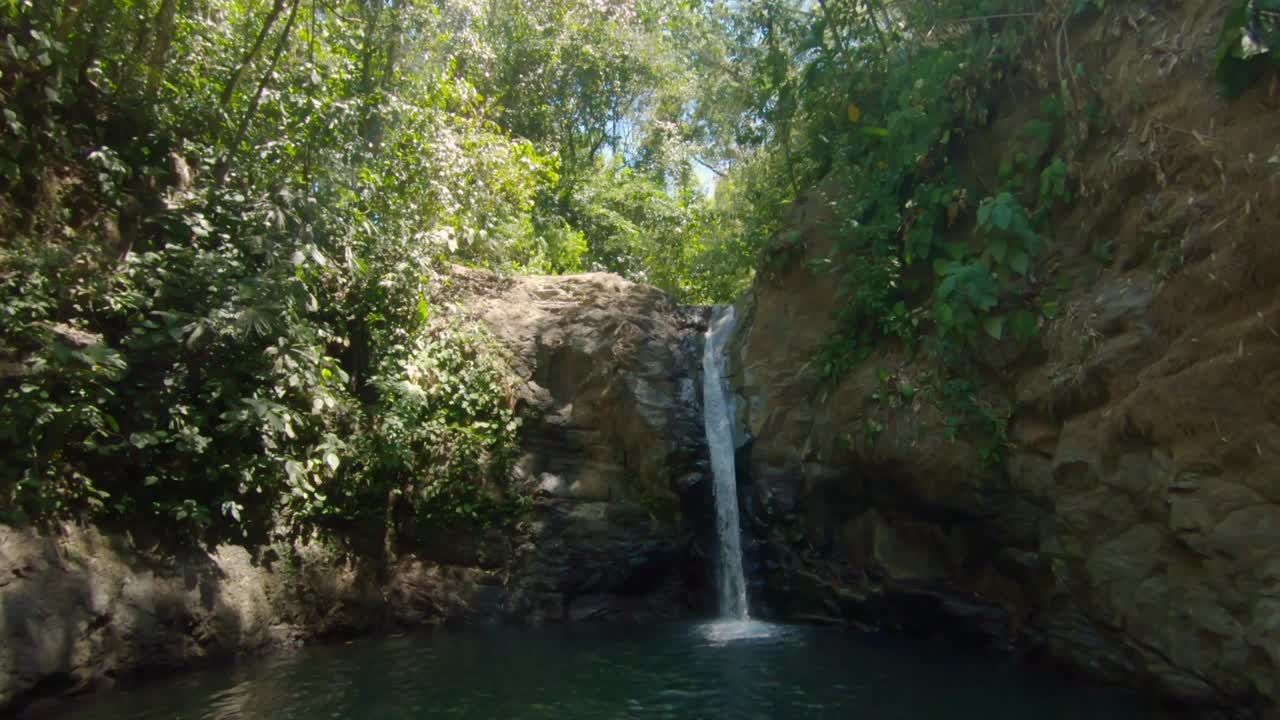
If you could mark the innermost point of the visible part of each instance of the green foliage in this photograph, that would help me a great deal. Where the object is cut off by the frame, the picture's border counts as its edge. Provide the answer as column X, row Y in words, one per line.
column 903, row 201
column 967, row 293
column 611, row 90
column 1011, row 241
column 640, row 230
column 852, row 115
column 442, row 434
column 217, row 411
column 223, row 225
column 1053, row 184
column 965, row 412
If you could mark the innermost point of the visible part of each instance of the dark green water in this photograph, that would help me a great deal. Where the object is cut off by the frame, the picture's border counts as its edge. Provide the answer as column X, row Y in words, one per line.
column 708, row 670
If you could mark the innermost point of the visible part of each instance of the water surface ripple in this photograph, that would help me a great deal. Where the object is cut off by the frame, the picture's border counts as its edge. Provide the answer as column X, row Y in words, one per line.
column 726, row 669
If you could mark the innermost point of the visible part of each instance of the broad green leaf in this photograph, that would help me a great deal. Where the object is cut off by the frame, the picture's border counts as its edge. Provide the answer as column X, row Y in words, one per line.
column 1024, row 325
column 1002, row 216
column 994, row 325
column 945, row 315
column 1019, row 262
column 999, row 247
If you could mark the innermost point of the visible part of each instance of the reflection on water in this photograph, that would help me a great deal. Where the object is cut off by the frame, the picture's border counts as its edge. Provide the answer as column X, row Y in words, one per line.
column 711, row 670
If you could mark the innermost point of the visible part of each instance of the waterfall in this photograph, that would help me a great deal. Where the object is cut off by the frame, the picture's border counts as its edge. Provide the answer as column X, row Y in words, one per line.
column 716, row 407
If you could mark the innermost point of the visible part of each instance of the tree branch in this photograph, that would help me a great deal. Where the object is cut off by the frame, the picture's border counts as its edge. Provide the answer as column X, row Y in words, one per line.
column 710, row 167
column 229, row 91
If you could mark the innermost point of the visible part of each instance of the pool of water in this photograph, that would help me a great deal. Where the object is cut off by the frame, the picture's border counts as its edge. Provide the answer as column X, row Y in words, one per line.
column 709, row 670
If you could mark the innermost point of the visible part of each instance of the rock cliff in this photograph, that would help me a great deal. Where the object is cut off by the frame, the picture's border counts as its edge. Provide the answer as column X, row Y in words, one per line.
column 1132, row 530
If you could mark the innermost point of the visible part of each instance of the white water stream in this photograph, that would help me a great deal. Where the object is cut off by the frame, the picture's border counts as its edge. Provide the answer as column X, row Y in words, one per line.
column 717, row 414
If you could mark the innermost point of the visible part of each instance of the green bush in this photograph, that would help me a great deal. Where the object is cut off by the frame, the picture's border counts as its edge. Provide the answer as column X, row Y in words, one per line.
column 218, row 259
column 443, row 432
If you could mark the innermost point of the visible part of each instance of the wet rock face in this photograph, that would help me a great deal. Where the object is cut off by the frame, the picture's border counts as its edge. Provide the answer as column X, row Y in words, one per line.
column 615, row 452
column 1133, row 529
column 614, row 461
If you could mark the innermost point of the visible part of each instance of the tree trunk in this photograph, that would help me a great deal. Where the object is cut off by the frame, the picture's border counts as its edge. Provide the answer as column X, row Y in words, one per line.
column 778, row 77
column 97, row 16
column 160, row 45
column 393, row 45
column 220, row 173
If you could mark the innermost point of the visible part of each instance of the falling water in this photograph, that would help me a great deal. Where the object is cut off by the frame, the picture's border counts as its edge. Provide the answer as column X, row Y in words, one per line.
column 730, row 583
